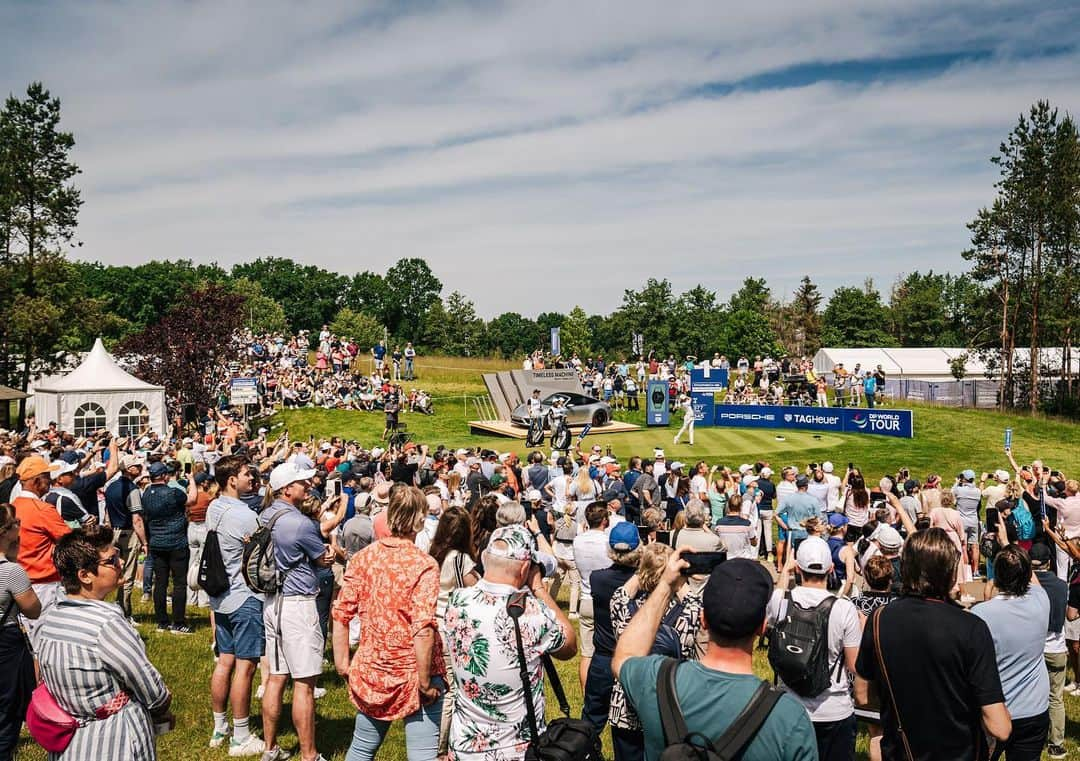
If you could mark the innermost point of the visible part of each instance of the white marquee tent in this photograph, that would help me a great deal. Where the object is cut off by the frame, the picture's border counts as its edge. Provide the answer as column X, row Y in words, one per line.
column 926, row 364
column 100, row 394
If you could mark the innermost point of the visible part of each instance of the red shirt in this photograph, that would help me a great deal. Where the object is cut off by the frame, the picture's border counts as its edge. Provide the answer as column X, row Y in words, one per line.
column 40, row 527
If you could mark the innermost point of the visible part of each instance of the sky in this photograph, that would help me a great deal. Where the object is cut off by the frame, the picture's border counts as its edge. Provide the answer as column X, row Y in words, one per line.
column 544, row 155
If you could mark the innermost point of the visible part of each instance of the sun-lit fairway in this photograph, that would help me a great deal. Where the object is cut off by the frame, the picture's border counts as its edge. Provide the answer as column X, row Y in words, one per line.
column 946, row 441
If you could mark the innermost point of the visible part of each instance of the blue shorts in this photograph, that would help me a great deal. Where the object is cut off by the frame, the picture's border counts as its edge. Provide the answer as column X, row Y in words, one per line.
column 241, row 633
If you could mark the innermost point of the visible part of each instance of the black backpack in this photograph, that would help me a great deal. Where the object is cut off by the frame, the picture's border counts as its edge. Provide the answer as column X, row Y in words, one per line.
column 799, row 647
column 259, row 565
column 213, row 578
column 684, row 745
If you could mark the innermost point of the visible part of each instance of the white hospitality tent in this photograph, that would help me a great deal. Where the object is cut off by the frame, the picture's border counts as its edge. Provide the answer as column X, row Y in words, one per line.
column 927, row 363
column 100, row 394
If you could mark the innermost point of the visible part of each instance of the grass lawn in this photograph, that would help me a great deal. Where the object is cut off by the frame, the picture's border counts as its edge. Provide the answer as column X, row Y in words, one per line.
column 946, row 441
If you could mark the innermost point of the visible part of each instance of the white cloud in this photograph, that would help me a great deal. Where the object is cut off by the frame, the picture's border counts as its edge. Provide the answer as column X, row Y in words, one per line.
column 555, row 142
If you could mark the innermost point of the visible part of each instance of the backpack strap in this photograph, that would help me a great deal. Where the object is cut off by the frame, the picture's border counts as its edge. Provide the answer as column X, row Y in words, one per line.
column 749, row 721
column 671, row 718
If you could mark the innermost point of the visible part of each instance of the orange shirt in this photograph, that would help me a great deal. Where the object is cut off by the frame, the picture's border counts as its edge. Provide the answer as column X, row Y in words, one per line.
column 197, row 512
column 393, row 587
column 40, row 527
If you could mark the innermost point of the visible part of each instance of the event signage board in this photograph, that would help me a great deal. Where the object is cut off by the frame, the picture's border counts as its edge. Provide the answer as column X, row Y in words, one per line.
column 244, row 391
column 556, row 344
column 656, row 403
column 708, row 380
column 897, row 423
column 704, row 408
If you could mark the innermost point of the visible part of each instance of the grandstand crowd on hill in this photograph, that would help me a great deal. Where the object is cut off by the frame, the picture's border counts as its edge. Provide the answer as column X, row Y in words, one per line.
column 413, row 570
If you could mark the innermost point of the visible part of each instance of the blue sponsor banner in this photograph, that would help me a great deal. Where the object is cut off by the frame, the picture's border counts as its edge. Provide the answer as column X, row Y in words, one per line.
column 704, row 408
column 896, row 423
column 556, row 344
column 656, row 403
column 708, row 380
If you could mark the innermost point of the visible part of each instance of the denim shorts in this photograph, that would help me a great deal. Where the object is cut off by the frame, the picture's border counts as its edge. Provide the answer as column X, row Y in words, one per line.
column 240, row 633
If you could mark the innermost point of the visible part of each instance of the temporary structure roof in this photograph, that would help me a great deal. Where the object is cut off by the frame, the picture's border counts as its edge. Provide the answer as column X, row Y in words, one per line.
column 927, row 363
column 98, row 372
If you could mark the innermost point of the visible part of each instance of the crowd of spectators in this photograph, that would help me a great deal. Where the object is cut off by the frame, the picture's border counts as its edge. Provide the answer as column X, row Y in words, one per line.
column 947, row 615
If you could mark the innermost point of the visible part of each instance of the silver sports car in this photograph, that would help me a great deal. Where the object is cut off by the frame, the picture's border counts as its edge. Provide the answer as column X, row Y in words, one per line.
column 580, row 409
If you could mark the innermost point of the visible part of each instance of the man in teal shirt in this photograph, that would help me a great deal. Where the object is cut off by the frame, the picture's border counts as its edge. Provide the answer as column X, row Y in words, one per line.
column 714, row 690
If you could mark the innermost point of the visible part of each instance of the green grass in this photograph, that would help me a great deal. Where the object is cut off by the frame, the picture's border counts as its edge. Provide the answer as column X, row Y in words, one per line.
column 946, row 441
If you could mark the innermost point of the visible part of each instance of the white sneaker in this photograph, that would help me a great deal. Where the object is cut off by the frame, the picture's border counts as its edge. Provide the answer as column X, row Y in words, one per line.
column 319, row 692
column 218, row 739
column 1072, row 688
column 252, row 746
column 259, row 692
column 277, row 754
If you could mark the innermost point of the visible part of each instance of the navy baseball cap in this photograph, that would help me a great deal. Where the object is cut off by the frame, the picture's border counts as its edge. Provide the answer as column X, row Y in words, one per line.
column 735, row 597
column 624, row 537
column 158, row 469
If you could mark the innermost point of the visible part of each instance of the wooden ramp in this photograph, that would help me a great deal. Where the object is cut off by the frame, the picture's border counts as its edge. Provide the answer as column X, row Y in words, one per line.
column 508, row 429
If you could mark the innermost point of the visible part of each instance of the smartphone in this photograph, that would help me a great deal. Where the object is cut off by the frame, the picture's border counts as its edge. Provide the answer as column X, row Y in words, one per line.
column 851, row 466
column 664, row 537
column 332, row 487
column 643, row 532
column 702, row 563
column 991, row 519
column 852, row 534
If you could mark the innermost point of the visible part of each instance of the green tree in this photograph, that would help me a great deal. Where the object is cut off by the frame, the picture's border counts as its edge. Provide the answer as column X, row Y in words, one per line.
column 855, row 317
column 465, row 331
column 698, row 321
column 360, row 327
column 754, row 295
column 39, row 208
column 261, row 313
column 650, row 312
column 367, row 292
column 574, row 334
column 309, row 295
column 512, row 335
column 806, row 317
column 412, row 289
column 747, row 331
column 918, row 311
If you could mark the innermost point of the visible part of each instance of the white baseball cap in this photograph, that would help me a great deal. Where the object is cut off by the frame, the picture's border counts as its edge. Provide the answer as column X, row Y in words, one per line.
column 377, row 452
column 827, row 466
column 766, row 472
column 62, row 467
column 325, row 446
column 813, row 555
column 288, row 473
column 745, row 468
column 1002, row 475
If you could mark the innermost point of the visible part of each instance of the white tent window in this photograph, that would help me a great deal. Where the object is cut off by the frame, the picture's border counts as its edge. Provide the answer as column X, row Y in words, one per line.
column 133, row 420
column 89, row 417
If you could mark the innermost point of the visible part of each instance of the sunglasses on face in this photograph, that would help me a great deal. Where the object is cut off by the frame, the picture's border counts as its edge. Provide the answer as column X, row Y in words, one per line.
column 113, row 560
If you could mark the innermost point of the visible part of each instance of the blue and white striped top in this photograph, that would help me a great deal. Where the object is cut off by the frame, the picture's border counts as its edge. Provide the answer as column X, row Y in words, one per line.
column 88, row 653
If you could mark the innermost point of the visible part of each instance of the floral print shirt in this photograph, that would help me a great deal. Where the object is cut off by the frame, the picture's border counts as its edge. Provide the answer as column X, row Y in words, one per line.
column 681, row 623
column 392, row 586
column 489, row 721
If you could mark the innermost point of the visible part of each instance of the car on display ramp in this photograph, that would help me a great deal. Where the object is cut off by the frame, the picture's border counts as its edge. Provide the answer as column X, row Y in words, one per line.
column 580, row 410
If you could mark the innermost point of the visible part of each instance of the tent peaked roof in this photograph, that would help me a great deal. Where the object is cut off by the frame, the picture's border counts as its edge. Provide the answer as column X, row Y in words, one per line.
column 98, row 372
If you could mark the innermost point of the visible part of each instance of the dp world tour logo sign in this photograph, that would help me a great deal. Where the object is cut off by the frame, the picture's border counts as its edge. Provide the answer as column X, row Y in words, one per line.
column 896, row 423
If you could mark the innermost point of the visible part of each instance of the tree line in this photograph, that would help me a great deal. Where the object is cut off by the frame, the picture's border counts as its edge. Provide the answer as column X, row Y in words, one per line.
column 1021, row 289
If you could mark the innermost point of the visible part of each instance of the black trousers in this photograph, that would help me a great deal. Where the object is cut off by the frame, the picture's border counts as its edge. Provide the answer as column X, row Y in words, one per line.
column 1027, row 740
column 836, row 739
column 628, row 744
column 174, row 564
column 15, row 688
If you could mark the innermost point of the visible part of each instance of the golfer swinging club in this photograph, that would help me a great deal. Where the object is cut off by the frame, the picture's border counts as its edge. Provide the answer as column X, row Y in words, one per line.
column 687, row 406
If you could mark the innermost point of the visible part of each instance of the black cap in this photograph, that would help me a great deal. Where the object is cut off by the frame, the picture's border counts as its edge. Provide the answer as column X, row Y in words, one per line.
column 735, row 597
column 910, row 485
column 1040, row 555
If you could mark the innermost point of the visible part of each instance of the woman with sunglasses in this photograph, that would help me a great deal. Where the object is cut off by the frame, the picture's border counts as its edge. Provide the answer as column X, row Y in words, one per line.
column 16, row 596
column 93, row 661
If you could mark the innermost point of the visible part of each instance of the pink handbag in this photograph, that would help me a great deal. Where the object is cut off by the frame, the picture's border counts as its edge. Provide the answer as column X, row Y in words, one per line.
column 49, row 724
column 52, row 727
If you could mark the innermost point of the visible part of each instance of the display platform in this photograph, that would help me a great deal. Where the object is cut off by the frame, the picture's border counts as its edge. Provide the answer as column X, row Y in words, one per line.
column 509, row 430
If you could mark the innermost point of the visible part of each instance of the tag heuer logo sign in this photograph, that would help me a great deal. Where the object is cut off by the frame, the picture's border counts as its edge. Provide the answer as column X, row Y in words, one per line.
column 787, row 418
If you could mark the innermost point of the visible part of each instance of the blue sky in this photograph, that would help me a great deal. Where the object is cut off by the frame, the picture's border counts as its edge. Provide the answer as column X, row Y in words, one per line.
column 582, row 147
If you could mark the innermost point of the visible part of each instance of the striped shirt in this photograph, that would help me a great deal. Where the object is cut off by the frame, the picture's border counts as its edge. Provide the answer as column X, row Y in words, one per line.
column 13, row 582
column 89, row 653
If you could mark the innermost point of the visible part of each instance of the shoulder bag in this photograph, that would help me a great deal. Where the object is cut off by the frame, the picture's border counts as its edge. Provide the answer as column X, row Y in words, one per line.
column 883, row 675
column 565, row 739
column 681, row 743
